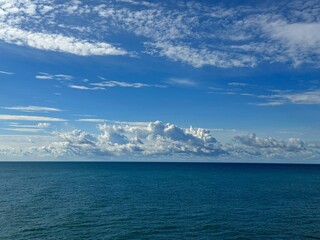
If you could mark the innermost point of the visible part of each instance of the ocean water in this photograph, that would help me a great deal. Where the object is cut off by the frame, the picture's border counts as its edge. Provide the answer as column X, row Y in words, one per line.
column 159, row 201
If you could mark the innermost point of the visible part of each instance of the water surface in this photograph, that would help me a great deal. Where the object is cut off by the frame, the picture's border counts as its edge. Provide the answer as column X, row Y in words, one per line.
column 159, row 201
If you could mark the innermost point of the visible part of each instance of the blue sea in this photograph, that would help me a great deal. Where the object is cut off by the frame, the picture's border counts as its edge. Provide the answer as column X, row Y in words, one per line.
column 159, row 201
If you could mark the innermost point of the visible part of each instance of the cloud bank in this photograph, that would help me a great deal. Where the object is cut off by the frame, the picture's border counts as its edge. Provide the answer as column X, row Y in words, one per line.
column 156, row 140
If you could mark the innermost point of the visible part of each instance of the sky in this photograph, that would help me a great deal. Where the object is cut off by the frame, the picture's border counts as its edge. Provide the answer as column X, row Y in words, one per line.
column 129, row 80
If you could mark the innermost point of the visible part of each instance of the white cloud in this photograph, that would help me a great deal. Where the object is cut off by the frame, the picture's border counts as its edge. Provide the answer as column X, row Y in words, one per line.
column 182, row 82
column 16, row 127
column 195, row 33
column 79, row 87
column 6, row 73
column 39, row 125
column 199, row 57
column 30, row 118
column 144, row 3
column 305, row 35
column 154, row 140
column 57, row 42
column 47, row 76
column 306, row 97
column 32, row 109
column 44, row 125
column 94, row 120
column 299, row 40
column 30, row 130
column 252, row 145
column 109, row 84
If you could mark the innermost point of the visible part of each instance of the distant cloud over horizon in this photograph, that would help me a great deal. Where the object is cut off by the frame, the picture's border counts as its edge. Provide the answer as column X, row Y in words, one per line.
column 157, row 140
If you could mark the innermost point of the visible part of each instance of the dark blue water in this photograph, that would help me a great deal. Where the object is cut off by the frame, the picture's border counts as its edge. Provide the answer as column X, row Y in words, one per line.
column 159, row 201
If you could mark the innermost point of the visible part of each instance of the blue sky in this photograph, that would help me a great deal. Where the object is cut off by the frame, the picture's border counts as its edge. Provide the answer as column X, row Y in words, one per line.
column 125, row 79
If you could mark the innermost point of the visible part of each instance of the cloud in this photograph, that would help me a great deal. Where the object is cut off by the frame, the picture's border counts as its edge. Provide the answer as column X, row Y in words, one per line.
column 39, row 125
column 305, row 35
column 238, row 84
column 16, row 127
column 57, row 42
column 108, row 84
column 196, row 33
column 252, row 145
column 94, row 120
column 47, row 76
column 306, row 97
column 182, row 82
column 298, row 39
column 32, row 109
column 6, row 73
column 44, row 125
column 144, row 3
column 28, row 130
column 156, row 140
column 30, row 118
column 79, row 87
column 199, row 57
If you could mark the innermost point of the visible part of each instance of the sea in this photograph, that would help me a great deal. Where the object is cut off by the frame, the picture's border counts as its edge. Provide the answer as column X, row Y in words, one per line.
column 99, row 200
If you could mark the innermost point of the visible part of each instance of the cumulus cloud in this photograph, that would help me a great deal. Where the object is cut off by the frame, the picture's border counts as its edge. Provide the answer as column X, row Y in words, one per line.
column 252, row 145
column 156, row 139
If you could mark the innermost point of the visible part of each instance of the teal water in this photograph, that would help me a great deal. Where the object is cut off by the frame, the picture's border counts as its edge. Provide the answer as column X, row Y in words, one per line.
column 159, row 201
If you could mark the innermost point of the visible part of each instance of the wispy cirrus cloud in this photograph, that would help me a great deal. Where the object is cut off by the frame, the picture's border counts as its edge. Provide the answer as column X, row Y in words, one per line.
column 238, row 84
column 91, row 120
column 112, row 84
column 36, row 128
column 81, row 87
column 30, row 118
column 109, row 84
column 6, row 73
column 182, row 82
column 309, row 97
column 47, row 76
column 26, row 130
column 33, row 109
